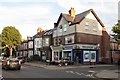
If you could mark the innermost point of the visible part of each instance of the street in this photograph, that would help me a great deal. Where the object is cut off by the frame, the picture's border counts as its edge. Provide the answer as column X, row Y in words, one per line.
column 35, row 72
column 40, row 72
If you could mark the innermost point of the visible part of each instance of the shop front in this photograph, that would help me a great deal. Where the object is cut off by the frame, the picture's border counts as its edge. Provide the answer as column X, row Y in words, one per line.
column 86, row 54
column 67, row 52
column 89, row 56
column 81, row 53
column 56, row 53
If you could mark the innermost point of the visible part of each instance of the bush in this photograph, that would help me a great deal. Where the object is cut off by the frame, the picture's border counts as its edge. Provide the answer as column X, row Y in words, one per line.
column 35, row 57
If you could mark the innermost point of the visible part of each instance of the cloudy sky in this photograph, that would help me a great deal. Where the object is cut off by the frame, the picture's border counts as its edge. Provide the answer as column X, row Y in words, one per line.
column 28, row 15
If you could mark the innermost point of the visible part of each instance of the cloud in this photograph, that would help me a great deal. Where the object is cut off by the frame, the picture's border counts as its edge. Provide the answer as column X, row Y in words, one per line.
column 26, row 18
column 28, row 15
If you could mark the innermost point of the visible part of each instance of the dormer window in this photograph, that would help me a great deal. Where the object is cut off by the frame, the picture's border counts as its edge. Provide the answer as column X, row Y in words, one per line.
column 64, row 27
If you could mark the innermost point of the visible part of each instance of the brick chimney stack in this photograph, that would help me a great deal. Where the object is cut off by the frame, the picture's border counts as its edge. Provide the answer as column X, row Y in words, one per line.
column 72, row 12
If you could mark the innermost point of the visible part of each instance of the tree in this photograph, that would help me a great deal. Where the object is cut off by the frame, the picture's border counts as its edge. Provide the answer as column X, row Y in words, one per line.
column 116, row 30
column 11, row 37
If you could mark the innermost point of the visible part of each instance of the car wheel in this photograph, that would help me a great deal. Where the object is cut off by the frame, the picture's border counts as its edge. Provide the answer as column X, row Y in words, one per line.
column 2, row 67
column 6, row 68
column 19, row 68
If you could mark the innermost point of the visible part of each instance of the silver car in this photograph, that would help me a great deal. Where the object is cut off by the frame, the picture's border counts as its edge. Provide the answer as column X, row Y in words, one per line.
column 11, row 63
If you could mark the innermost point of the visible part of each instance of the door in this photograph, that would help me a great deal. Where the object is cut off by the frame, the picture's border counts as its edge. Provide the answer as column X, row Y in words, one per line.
column 77, row 56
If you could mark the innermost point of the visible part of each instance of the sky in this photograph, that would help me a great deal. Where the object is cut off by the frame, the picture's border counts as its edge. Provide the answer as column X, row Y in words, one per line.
column 28, row 15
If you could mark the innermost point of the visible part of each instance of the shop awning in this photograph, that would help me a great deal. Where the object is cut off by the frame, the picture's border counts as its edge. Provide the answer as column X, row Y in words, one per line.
column 57, row 48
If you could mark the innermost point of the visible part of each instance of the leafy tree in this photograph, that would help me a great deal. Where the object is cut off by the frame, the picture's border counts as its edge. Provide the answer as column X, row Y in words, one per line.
column 11, row 37
column 116, row 30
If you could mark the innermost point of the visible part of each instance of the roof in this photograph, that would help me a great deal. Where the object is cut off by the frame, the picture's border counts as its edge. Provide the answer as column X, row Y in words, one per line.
column 78, row 18
column 38, row 35
column 48, row 32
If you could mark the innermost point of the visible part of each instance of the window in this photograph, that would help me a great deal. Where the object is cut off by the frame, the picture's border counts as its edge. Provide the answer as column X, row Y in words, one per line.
column 69, row 39
column 40, row 42
column 86, row 26
column 59, row 41
column 94, row 27
column 46, row 42
column 37, row 43
column 55, row 41
column 64, row 27
column 55, row 55
column 60, row 29
column 30, row 44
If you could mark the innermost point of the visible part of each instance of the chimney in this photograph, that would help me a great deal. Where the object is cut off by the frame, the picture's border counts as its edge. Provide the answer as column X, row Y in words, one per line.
column 39, row 30
column 72, row 12
column 28, row 37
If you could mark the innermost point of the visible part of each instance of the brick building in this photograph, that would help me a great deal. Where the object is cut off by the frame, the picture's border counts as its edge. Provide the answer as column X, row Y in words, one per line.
column 82, row 38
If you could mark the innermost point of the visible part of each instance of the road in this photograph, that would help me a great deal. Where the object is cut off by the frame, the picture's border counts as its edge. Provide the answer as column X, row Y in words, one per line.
column 37, row 72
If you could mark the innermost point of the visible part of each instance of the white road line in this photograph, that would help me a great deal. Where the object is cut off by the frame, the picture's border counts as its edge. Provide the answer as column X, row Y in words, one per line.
column 91, row 71
column 78, row 73
column 70, row 72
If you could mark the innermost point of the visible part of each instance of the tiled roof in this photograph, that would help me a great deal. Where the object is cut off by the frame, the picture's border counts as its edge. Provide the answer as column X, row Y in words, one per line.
column 38, row 35
column 78, row 18
column 48, row 32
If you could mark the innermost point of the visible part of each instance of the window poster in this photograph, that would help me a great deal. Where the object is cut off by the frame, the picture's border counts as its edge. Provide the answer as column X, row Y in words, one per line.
column 93, row 56
column 86, row 56
column 89, row 56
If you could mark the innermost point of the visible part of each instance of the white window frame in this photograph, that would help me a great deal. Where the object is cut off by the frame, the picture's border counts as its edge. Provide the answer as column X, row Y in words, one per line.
column 86, row 26
column 65, row 27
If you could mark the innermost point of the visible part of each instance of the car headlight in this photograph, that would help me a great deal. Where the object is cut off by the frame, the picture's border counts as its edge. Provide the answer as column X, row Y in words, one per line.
column 8, row 62
column 19, row 62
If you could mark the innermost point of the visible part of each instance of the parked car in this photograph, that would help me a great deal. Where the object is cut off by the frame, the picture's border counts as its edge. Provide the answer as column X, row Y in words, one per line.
column 1, row 56
column 21, row 59
column 11, row 63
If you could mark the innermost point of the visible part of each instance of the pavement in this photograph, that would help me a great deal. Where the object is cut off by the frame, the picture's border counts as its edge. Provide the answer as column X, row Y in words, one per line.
column 102, row 74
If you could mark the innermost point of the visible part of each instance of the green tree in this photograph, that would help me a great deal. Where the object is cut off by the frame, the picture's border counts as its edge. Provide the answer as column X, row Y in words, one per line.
column 116, row 30
column 11, row 37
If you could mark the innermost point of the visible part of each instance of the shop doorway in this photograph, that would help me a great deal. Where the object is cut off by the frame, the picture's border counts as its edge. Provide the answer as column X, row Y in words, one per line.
column 77, row 56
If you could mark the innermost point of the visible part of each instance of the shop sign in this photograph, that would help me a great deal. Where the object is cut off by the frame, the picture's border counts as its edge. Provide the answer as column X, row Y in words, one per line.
column 84, row 46
column 68, row 47
column 57, row 48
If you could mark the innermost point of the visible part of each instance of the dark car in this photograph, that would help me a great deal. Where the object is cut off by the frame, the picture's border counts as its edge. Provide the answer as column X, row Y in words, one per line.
column 11, row 63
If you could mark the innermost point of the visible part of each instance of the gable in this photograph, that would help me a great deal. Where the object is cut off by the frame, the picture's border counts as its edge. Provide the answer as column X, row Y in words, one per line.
column 92, row 17
column 90, row 25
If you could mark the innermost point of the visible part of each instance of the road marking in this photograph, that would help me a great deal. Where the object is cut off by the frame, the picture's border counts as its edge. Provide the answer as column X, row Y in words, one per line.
column 91, row 71
column 78, row 73
column 69, row 71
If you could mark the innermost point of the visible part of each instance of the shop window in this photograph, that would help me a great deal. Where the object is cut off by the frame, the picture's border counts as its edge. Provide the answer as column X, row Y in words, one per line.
column 55, row 55
column 67, row 55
